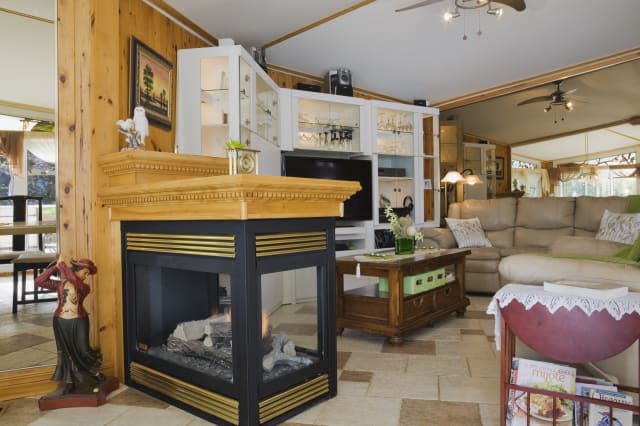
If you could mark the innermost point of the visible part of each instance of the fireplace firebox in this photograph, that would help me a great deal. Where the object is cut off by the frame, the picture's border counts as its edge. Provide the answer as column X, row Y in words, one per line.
column 207, row 321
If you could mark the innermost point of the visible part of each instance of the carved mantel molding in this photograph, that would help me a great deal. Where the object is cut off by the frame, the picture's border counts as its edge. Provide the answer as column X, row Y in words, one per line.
column 139, row 194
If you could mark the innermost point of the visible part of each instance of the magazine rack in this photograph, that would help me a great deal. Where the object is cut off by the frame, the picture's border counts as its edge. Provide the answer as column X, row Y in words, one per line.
column 567, row 336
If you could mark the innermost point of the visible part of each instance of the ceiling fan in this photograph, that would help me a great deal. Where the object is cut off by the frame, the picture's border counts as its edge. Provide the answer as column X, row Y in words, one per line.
column 470, row 4
column 556, row 98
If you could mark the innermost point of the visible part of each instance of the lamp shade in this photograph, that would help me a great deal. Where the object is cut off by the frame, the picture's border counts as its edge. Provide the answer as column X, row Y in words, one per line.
column 452, row 177
column 472, row 180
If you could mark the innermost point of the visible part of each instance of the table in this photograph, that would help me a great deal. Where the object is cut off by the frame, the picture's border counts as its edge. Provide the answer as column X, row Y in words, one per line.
column 394, row 314
column 25, row 228
column 566, row 328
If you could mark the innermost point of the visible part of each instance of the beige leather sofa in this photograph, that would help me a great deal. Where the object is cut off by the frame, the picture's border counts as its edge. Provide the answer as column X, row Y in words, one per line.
column 522, row 228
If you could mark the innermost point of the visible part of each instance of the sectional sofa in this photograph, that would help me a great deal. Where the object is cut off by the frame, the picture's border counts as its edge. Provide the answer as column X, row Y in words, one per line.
column 545, row 239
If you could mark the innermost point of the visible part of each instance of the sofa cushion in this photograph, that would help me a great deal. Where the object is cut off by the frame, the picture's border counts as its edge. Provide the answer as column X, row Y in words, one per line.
column 535, row 269
column 484, row 253
column 510, row 251
column 502, row 238
column 442, row 237
column 588, row 246
column 494, row 214
column 589, row 211
column 468, row 232
column 620, row 227
column 545, row 213
column 543, row 238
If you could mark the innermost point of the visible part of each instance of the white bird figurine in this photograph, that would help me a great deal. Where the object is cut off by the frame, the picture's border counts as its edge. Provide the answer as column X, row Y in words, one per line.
column 141, row 123
column 127, row 127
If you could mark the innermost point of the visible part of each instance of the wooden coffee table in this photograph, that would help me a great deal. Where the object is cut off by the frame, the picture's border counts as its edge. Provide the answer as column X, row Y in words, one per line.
column 392, row 313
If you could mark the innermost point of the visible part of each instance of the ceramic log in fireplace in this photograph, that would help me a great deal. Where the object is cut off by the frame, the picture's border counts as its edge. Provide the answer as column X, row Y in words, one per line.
column 205, row 324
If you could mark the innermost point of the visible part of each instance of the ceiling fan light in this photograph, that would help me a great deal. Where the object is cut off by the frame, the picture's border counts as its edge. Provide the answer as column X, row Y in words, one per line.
column 497, row 12
column 569, row 106
column 449, row 16
column 547, row 109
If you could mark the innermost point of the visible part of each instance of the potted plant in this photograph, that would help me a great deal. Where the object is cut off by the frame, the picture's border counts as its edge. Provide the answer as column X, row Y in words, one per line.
column 404, row 231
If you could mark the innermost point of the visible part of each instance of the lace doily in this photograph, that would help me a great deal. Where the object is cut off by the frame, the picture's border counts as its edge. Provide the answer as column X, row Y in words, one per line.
column 529, row 295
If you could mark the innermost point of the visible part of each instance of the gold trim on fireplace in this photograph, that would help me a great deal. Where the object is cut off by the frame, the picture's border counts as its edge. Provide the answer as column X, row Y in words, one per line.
column 283, row 402
column 202, row 245
column 207, row 401
column 291, row 242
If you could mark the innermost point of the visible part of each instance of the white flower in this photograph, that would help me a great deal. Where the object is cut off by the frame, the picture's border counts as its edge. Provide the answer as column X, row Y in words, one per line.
column 411, row 231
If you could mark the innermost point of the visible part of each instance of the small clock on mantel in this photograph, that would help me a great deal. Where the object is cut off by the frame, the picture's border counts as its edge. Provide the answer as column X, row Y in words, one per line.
column 243, row 161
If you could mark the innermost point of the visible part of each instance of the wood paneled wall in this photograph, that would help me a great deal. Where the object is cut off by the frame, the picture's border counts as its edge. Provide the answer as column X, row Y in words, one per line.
column 165, row 37
column 288, row 78
column 93, row 92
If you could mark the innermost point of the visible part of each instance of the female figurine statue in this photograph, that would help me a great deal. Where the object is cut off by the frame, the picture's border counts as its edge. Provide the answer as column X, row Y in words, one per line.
column 78, row 363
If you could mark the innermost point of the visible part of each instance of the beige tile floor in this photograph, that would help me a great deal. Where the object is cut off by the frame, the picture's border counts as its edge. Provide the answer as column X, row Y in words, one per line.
column 442, row 375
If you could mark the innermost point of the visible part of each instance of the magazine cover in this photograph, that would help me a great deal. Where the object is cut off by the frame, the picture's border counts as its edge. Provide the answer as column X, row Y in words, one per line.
column 581, row 411
column 541, row 375
column 599, row 414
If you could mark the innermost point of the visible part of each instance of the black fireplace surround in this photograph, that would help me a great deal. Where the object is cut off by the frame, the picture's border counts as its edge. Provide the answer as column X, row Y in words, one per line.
column 180, row 276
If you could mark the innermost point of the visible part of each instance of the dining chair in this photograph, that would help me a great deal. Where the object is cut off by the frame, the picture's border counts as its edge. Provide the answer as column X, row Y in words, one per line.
column 36, row 262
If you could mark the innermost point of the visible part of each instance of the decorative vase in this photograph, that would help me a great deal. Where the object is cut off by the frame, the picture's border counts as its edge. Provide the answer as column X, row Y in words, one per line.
column 405, row 246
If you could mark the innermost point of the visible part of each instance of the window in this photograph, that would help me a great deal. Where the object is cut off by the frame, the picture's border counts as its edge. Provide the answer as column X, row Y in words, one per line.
column 613, row 178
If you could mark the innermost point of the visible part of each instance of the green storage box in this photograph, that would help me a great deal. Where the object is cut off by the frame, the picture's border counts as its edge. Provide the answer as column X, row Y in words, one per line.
column 415, row 284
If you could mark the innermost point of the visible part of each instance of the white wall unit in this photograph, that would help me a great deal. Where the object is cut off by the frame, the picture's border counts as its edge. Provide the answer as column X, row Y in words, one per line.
column 398, row 145
column 223, row 94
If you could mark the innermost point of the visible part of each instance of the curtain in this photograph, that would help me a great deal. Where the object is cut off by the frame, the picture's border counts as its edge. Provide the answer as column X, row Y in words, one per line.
column 42, row 145
column 536, row 181
column 12, row 147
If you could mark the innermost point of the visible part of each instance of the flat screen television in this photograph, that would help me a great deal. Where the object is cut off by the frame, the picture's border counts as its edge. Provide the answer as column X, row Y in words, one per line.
column 360, row 205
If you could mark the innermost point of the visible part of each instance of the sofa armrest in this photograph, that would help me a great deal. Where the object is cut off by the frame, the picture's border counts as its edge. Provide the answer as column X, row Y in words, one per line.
column 439, row 237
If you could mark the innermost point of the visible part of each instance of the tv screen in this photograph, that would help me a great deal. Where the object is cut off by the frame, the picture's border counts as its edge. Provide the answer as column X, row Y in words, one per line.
column 360, row 205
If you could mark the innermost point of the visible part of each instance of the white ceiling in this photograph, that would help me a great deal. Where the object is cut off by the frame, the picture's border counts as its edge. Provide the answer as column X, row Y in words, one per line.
column 416, row 55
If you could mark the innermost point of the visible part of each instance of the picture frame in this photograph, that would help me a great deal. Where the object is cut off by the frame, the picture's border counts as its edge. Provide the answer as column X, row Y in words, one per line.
column 151, row 84
column 500, row 168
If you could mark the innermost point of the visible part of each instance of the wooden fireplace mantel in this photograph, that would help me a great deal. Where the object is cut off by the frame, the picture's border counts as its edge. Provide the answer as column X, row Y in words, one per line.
column 143, row 192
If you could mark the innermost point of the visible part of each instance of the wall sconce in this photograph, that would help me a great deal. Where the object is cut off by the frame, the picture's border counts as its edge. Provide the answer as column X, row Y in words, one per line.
column 452, row 176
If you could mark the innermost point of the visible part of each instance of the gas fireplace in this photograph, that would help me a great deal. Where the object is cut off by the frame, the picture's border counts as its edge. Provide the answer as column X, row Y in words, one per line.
column 208, row 321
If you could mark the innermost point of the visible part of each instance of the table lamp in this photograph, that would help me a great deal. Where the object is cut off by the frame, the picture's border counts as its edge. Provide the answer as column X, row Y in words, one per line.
column 470, row 178
column 452, row 176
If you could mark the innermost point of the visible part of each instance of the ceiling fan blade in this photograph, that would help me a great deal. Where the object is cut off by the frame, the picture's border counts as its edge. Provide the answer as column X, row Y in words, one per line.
column 534, row 100
column 568, row 92
column 516, row 4
column 417, row 5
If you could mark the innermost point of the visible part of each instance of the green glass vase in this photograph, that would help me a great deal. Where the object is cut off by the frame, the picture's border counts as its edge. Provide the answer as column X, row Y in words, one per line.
column 405, row 246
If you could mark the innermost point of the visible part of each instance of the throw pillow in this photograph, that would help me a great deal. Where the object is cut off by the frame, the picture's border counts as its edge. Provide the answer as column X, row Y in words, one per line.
column 620, row 227
column 468, row 232
column 631, row 252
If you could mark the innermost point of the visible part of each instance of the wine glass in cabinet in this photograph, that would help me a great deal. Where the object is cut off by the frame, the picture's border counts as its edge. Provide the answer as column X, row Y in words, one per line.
column 324, row 122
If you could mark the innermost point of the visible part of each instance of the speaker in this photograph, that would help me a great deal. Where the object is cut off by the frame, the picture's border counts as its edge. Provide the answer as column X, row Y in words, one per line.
column 338, row 82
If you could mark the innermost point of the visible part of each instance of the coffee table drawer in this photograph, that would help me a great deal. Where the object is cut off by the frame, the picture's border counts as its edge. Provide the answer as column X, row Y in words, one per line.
column 447, row 295
column 418, row 305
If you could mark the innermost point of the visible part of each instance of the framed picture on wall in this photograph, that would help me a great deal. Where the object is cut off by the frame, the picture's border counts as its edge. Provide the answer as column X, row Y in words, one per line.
column 500, row 168
column 151, row 77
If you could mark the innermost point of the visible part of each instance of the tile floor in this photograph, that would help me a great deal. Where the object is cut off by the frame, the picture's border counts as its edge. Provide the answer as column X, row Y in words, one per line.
column 447, row 374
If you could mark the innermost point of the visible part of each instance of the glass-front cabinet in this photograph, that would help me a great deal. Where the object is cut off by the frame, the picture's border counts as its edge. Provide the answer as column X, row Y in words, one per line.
column 237, row 101
column 322, row 122
column 402, row 158
column 480, row 159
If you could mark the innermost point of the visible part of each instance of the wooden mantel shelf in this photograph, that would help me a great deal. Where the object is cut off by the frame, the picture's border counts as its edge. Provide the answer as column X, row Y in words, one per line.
column 240, row 197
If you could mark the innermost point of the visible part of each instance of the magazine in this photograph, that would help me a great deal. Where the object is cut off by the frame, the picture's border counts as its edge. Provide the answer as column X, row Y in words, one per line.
column 599, row 414
column 541, row 375
column 584, row 389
